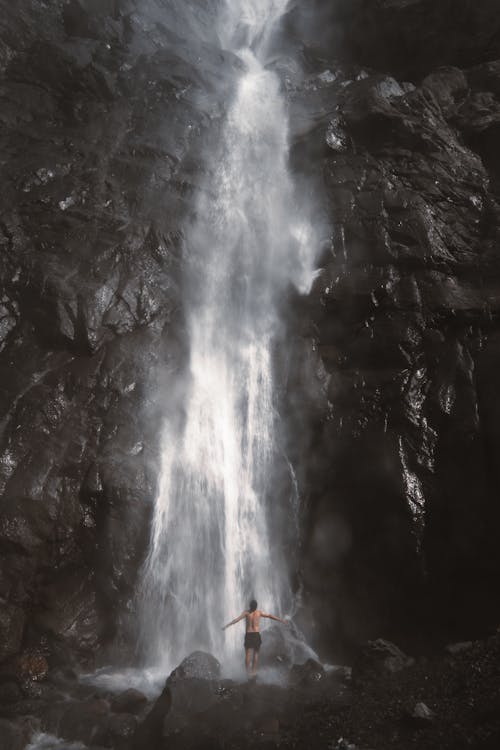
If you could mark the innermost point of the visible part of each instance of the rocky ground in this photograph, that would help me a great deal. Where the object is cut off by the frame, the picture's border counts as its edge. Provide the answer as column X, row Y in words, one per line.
column 450, row 700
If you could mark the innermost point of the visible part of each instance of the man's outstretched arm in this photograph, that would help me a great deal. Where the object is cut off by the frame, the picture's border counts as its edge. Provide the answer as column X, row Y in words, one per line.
column 273, row 617
column 233, row 622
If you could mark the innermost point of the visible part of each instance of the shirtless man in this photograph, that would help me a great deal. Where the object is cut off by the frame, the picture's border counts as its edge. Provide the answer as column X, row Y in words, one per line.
column 253, row 640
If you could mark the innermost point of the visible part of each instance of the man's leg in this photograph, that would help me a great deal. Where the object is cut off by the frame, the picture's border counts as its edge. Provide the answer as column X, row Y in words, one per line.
column 248, row 654
column 255, row 662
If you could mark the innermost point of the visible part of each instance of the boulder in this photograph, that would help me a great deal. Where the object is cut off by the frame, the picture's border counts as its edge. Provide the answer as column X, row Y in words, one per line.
column 150, row 732
column 343, row 744
column 378, row 658
column 10, row 692
column 198, row 665
column 448, row 85
column 13, row 736
column 459, row 648
column 32, row 665
column 421, row 715
column 120, row 730
column 191, row 697
column 194, row 687
column 85, row 721
column 131, row 701
column 12, row 620
column 308, row 674
column 284, row 645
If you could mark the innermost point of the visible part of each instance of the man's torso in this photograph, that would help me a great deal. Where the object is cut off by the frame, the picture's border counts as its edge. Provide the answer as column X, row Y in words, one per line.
column 252, row 620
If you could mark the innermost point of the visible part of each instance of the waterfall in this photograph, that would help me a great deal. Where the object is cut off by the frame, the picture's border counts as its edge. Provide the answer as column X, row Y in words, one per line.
column 211, row 546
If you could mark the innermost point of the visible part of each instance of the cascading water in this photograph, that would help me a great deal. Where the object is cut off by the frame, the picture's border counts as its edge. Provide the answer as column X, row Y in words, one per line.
column 211, row 547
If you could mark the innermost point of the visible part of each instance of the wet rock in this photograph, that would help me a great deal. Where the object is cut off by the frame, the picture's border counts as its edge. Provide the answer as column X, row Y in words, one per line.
column 190, row 697
column 32, row 707
column 393, row 310
column 339, row 674
column 422, row 715
column 13, row 736
column 284, row 645
column 10, row 692
column 336, row 137
column 268, row 731
column 33, row 666
column 131, row 701
column 310, row 673
column 150, row 732
column 198, row 665
column 194, row 688
column 378, row 658
column 449, row 86
column 343, row 744
column 75, row 617
column 459, row 648
column 12, row 620
column 85, row 721
column 486, row 709
column 120, row 730
column 92, row 261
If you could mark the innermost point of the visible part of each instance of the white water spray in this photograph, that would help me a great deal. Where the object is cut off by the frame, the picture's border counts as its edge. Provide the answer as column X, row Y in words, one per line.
column 211, row 548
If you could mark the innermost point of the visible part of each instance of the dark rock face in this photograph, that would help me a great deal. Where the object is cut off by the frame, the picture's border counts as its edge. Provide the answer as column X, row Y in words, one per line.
column 11, row 629
column 402, row 508
column 406, row 36
column 102, row 113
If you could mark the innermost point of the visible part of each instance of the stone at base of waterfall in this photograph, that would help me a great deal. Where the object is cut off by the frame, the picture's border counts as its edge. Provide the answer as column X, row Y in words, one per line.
column 131, row 701
column 421, row 715
column 190, row 698
column 90, row 722
column 343, row 744
column 308, row 674
column 380, row 657
column 12, row 736
column 149, row 733
column 85, row 721
column 120, row 730
column 459, row 648
column 283, row 646
column 10, row 692
column 198, row 665
column 194, row 687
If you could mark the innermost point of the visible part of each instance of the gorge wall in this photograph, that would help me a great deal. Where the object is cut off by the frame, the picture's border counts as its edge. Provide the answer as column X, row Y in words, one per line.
column 391, row 401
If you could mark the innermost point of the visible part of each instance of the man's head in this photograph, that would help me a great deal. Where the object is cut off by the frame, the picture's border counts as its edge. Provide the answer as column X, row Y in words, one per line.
column 253, row 605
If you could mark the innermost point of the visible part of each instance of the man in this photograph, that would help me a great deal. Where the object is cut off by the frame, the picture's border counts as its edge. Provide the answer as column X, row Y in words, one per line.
column 253, row 640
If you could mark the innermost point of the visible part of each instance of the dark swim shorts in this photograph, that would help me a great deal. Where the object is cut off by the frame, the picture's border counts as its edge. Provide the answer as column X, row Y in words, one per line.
column 253, row 640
